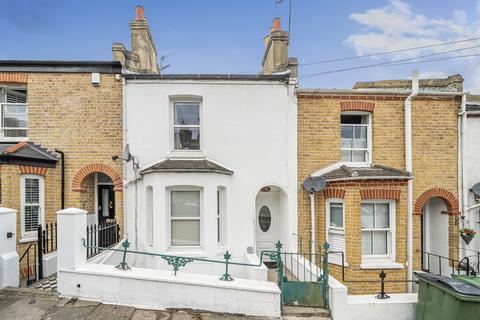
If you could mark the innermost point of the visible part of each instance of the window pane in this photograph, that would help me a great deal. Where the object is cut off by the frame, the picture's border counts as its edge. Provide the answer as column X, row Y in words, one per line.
column 187, row 139
column 380, row 242
column 352, row 119
column 366, row 242
column 14, row 116
column 185, row 203
column 382, row 219
column 359, row 156
column 360, row 137
column 31, row 218
column 367, row 215
column 346, row 155
column 336, row 215
column 187, row 113
column 336, row 242
column 185, row 233
column 264, row 218
column 347, row 137
column 32, row 191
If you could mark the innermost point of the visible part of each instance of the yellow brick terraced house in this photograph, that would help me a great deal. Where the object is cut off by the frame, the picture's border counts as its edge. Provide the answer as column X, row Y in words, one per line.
column 354, row 142
column 61, row 123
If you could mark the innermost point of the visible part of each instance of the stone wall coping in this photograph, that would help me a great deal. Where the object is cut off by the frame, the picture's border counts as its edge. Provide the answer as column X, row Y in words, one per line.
column 71, row 211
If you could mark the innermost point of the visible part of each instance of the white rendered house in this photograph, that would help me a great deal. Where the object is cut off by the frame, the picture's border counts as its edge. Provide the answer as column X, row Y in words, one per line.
column 216, row 164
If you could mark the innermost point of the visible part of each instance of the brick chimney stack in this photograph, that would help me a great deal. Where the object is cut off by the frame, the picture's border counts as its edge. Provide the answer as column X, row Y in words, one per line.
column 276, row 57
column 143, row 56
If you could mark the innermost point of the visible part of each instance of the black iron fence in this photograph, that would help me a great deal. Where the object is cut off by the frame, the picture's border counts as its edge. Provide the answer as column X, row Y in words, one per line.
column 434, row 263
column 102, row 235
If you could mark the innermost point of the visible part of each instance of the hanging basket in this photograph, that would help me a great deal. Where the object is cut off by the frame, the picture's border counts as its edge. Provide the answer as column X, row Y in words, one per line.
column 467, row 237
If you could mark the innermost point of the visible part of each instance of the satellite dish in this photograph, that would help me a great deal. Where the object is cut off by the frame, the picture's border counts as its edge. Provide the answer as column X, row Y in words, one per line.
column 476, row 189
column 127, row 156
column 314, row 184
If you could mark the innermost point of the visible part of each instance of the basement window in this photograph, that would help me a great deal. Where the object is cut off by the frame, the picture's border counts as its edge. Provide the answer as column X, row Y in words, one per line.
column 355, row 133
column 14, row 114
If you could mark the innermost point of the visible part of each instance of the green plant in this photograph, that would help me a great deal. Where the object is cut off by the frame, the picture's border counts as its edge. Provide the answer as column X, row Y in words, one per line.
column 467, row 231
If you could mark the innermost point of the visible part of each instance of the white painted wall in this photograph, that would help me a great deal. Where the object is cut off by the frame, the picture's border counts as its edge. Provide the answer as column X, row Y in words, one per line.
column 8, row 251
column 153, row 288
column 247, row 126
column 472, row 164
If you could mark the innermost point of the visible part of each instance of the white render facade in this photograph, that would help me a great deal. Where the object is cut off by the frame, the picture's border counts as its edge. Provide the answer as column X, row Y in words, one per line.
column 246, row 129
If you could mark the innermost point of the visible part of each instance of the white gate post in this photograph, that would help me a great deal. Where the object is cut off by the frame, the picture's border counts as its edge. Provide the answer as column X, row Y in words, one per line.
column 9, row 268
column 71, row 229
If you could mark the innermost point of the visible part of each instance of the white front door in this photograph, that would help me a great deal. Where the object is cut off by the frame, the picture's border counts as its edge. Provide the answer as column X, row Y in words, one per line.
column 266, row 223
column 435, row 240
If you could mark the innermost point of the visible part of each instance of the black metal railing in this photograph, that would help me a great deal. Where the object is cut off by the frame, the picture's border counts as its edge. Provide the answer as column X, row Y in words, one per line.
column 103, row 235
column 452, row 266
column 30, row 255
column 474, row 256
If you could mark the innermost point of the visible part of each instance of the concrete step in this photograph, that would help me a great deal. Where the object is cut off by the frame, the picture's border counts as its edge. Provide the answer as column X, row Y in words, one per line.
column 292, row 313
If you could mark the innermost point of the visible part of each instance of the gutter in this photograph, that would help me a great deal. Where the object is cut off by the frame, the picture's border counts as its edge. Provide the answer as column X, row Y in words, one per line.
column 409, row 168
column 463, row 195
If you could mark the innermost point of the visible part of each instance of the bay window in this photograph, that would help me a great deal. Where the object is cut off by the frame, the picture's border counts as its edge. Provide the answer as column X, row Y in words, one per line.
column 335, row 228
column 185, row 207
column 378, row 236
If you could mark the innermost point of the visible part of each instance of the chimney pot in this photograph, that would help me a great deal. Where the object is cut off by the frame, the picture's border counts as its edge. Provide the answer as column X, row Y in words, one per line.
column 139, row 13
column 276, row 24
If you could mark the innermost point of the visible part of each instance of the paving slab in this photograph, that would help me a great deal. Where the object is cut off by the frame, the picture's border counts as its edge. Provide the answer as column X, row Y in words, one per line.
column 68, row 313
column 183, row 315
column 7, row 301
column 108, row 312
column 145, row 315
column 27, row 309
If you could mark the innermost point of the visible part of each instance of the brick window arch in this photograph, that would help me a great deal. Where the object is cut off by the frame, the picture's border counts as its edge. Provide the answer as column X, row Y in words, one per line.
column 96, row 167
column 449, row 198
column 338, row 193
column 357, row 105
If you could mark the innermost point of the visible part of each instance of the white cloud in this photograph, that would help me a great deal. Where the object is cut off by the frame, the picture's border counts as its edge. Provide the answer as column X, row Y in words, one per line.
column 396, row 26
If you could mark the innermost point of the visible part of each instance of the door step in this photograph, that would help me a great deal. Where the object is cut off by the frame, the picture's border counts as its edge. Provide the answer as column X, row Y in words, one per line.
column 292, row 313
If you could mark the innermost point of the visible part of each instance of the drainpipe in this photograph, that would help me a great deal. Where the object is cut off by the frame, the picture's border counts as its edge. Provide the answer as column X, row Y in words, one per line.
column 62, row 156
column 409, row 168
column 463, row 181
column 312, row 221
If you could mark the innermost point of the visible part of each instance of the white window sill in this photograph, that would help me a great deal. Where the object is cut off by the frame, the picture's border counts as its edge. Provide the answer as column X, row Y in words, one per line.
column 381, row 264
column 27, row 239
column 185, row 154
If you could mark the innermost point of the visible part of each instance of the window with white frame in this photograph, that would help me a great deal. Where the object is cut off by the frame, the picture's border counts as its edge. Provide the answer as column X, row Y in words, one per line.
column 186, row 126
column 13, row 114
column 185, row 208
column 378, row 236
column 32, row 201
column 355, row 131
column 221, row 209
column 336, row 227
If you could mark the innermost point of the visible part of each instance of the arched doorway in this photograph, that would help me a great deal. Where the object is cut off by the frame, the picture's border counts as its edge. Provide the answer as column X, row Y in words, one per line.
column 437, row 207
column 270, row 204
column 435, row 232
column 98, row 184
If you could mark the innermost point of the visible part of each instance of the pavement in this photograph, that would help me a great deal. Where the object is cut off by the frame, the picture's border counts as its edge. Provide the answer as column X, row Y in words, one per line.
column 38, row 304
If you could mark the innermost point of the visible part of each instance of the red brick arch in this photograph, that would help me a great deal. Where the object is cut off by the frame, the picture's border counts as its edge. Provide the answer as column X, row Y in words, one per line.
column 449, row 198
column 357, row 105
column 96, row 167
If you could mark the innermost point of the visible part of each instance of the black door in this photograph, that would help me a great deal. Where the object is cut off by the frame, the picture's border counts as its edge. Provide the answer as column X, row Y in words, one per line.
column 106, row 204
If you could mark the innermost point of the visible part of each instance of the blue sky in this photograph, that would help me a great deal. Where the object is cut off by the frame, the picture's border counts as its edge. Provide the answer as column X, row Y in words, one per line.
column 225, row 36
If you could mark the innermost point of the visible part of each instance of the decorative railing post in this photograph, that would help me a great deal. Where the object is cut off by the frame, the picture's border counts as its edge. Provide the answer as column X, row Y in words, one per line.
column 226, row 276
column 382, row 294
column 176, row 262
column 40, row 251
column 123, row 265
column 326, row 248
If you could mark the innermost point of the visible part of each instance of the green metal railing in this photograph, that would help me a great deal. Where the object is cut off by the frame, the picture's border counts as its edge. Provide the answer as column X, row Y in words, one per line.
column 177, row 262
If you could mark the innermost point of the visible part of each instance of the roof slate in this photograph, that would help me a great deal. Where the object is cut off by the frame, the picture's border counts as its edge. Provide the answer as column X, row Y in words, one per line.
column 28, row 151
column 182, row 165
column 375, row 171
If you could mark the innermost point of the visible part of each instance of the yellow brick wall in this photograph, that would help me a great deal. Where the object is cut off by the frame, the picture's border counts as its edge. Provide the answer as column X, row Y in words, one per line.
column 66, row 112
column 435, row 165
